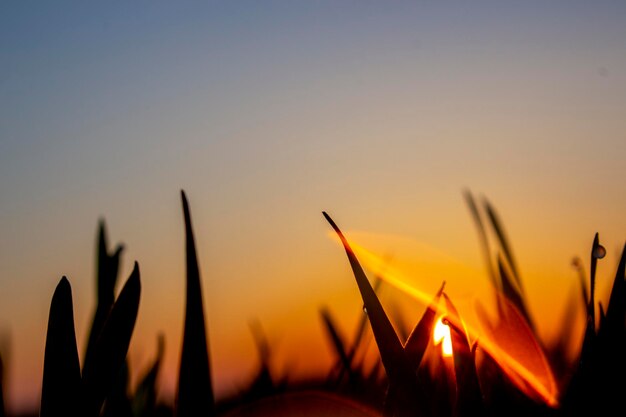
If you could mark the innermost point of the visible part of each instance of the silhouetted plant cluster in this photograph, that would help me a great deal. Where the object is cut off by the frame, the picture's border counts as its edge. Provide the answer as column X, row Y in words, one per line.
column 417, row 380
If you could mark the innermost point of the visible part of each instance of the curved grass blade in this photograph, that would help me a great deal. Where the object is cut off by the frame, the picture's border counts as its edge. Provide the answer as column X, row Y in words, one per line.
column 419, row 338
column 402, row 393
column 592, row 280
column 391, row 350
column 109, row 353
column 482, row 237
column 504, row 243
column 262, row 345
column 61, row 369
column 581, row 382
column 469, row 397
column 106, row 279
column 195, row 391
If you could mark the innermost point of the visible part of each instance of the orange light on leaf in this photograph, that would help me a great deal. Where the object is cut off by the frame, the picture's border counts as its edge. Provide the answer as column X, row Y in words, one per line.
column 513, row 346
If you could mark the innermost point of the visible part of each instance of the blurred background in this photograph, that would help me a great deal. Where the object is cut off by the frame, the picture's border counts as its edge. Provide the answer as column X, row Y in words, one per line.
column 267, row 114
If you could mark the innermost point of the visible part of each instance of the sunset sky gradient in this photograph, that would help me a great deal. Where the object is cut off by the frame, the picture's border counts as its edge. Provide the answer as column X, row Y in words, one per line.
column 380, row 113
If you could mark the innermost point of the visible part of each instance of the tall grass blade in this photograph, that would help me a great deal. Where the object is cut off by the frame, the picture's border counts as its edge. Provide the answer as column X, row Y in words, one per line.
column 592, row 280
column 599, row 383
column 391, row 350
column 61, row 370
column 109, row 353
column 482, row 237
column 402, row 395
column 504, row 243
column 106, row 279
column 195, row 391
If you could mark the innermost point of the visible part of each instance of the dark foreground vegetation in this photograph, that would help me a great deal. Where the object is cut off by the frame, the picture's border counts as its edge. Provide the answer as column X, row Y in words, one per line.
column 411, row 378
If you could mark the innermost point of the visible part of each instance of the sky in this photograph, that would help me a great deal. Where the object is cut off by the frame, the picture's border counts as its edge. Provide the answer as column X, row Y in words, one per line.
column 380, row 113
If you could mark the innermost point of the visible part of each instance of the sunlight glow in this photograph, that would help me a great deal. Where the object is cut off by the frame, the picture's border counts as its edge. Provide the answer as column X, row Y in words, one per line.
column 441, row 335
column 514, row 347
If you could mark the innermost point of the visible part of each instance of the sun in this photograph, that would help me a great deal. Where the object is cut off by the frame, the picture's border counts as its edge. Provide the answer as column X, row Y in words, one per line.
column 441, row 335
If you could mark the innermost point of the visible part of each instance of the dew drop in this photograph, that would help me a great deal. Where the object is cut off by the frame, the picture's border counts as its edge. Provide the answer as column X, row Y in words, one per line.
column 364, row 309
column 599, row 252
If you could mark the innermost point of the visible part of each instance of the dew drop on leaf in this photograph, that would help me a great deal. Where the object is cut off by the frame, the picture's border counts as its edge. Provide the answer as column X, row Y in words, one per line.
column 599, row 252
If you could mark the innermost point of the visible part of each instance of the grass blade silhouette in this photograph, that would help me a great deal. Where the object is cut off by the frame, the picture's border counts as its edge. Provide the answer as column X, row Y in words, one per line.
column 109, row 353
column 61, row 370
column 106, row 279
column 592, row 279
column 482, row 237
column 195, row 391
column 599, row 382
column 402, row 395
column 504, row 243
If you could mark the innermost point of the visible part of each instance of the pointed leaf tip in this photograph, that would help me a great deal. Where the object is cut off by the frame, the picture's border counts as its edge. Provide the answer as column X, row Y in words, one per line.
column 195, row 391
column 61, row 373
column 330, row 220
column 134, row 278
column 337, row 230
column 186, row 211
column 64, row 282
column 183, row 197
